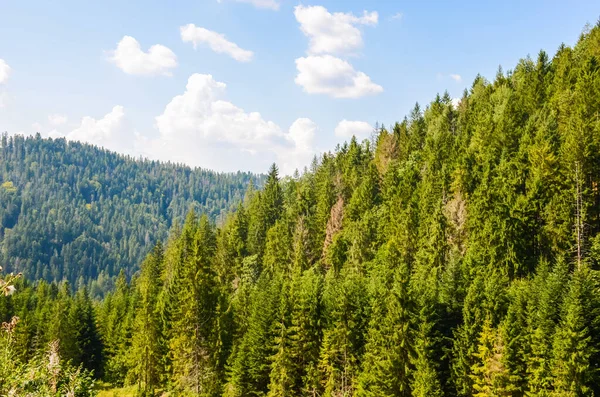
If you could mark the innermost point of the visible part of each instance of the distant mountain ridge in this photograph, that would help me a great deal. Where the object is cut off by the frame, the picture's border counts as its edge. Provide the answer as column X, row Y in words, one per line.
column 73, row 210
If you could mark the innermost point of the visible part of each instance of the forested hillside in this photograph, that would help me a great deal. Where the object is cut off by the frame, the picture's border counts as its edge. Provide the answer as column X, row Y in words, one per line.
column 71, row 210
column 455, row 254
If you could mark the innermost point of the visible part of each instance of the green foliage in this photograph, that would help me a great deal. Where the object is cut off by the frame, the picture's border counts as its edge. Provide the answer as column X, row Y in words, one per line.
column 45, row 374
column 455, row 255
column 71, row 210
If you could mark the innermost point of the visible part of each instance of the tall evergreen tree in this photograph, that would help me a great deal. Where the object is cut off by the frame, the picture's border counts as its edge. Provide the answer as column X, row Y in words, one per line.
column 147, row 346
column 194, row 342
column 82, row 320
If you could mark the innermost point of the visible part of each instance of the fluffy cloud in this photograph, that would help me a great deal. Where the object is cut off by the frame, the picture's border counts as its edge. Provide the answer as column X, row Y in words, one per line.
column 456, row 77
column 216, row 41
column 112, row 131
column 270, row 4
column 57, row 119
column 129, row 57
column 201, row 128
column 326, row 74
column 332, row 33
column 4, row 71
column 348, row 129
column 302, row 133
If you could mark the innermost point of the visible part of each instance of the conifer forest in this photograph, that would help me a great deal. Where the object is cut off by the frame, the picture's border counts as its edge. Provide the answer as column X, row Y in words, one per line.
column 454, row 253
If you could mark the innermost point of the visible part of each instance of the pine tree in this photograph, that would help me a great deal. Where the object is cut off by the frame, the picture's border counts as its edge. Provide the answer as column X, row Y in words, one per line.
column 513, row 331
column 346, row 305
column 571, row 368
column 88, row 345
column 306, row 331
column 489, row 375
column 117, row 318
column 389, row 349
column 283, row 368
column 425, row 376
column 60, row 327
column 249, row 366
column 193, row 342
column 265, row 212
column 146, row 340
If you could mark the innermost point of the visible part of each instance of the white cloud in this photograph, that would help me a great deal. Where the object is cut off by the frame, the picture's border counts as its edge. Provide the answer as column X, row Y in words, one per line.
column 57, row 119
column 302, row 132
column 201, row 128
column 456, row 77
column 333, row 76
column 4, row 71
column 112, row 131
column 269, row 4
column 129, row 57
column 99, row 131
column 332, row 33
column 348, row 129
column 37, row 127
column 216, row 41
column 397, row 16
column 456, row 102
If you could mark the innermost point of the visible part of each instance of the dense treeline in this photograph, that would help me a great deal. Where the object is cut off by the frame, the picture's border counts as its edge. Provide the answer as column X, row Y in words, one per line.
column 57, row 315
column 71, row 210
column 455, row 254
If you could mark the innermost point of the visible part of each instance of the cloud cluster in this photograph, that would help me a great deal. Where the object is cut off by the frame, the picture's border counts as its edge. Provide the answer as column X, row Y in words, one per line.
column 112, row 131
column 200, row 127
column 216, row 41
column 348, row 129
column 335, row 33
column 332, row 35
column 130, row 58
column 333, row 76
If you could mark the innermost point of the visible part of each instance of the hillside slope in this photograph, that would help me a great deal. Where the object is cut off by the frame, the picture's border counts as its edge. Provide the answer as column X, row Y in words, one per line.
column 455, row 254
column 70, row 210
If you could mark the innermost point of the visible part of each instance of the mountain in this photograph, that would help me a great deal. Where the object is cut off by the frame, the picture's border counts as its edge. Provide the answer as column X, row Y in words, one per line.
column 71, row 210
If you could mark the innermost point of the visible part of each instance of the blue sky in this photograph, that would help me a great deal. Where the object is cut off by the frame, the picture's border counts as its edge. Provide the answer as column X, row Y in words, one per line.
column 253, row 81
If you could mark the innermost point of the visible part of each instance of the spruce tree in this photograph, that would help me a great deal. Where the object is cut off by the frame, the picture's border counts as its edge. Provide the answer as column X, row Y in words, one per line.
column 88, row 345
column 572, row 349
column 147, row 345
column 194, row 343
column 488, row 373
